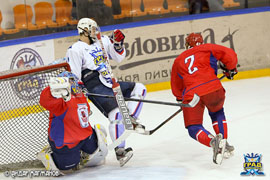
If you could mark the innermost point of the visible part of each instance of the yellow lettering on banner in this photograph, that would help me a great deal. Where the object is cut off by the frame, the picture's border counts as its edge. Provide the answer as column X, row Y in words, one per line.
column 27, row 84
column 35, row 83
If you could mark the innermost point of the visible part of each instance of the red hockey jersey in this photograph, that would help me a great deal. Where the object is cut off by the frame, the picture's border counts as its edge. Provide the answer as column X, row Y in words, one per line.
column 195, row 70
column 68, row 123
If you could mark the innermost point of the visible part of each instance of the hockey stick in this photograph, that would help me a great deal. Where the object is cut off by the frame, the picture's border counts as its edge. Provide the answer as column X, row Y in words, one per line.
column 194, row 101
column 115, row 86
column 222, row 77
column 120, row 139
column 126, row 133
column 117, row 91
column 150, row 132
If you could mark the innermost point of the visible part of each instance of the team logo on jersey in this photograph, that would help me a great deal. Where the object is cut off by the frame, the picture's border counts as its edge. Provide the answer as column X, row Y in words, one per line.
column 252, row 165
column 83, row 115
column 27, row 87
column 98, row 56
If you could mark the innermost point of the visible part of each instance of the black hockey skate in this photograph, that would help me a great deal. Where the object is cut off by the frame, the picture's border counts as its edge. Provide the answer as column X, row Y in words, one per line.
column 218, row 144
column 123, row 155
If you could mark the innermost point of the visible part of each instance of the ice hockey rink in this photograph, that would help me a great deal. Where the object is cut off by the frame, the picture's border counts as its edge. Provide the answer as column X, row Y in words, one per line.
column 170, row 154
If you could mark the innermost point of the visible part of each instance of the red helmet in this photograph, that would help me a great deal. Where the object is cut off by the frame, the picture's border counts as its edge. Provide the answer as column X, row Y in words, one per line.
column 193, row 40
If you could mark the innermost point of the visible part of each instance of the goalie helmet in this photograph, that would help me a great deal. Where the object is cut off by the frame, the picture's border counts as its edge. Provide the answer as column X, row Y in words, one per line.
column 88, row 25
column 75, row 83
column 193, row 40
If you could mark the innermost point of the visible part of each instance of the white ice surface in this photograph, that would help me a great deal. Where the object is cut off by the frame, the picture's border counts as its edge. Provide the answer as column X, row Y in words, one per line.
column 170, row 154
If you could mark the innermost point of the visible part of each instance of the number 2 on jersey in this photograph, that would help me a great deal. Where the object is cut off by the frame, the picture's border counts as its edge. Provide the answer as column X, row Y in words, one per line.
column 191, row 69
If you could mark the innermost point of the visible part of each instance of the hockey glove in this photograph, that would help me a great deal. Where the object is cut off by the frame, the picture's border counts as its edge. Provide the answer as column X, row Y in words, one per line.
column 60, row 87
column 117, row 38
column 222, row 66
column 230, row 73
column 179, row 100
column 103, row 70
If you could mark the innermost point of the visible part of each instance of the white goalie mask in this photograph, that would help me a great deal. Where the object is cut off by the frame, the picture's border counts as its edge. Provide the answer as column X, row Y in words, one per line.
column 90, row 26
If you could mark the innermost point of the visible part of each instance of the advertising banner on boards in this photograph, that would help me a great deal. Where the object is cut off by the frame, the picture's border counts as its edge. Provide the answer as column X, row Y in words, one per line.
column 29, row 54
column 151, row 50
column 24, row 90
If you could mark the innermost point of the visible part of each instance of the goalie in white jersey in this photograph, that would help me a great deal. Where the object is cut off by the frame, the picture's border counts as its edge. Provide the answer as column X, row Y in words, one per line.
column 86, row 60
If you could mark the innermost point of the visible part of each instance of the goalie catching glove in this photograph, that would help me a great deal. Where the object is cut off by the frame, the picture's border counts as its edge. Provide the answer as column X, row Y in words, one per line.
column 117, row 38
column 60, row 87
column 64, row 85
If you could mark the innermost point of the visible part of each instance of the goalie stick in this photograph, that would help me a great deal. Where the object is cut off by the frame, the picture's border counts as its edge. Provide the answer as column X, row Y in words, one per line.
column 194, row 101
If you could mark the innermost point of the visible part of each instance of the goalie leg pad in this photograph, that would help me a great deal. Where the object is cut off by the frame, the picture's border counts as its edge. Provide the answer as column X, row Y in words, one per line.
column 101, row 137
column 66, row 158
column 45, row 156
column 98, row 157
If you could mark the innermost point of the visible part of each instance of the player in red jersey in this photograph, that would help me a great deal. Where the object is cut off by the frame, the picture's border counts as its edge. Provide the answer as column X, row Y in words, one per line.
column 71, row 136
column 195, row 71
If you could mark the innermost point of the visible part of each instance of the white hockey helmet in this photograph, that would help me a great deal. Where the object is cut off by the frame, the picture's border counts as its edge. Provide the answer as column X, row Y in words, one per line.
column 91, row 25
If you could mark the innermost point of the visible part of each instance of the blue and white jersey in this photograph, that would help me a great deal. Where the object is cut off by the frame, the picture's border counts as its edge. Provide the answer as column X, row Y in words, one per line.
column 81, row 56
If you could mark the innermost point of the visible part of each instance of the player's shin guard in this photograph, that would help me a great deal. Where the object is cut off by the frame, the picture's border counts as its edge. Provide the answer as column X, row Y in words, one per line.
column 116, row 126
column 139, row 92
column 219, row 122
column 200, row 134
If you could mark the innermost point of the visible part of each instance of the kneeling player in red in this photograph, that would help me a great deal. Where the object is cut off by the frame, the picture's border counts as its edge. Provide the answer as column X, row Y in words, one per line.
column 195, row 72
column 72, row 141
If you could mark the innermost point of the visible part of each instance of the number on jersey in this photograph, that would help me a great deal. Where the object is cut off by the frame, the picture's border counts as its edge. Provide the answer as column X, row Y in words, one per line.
column 190, row 60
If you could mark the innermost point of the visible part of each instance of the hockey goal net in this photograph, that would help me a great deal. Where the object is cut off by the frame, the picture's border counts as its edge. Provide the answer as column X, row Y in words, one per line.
column 23, row 121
